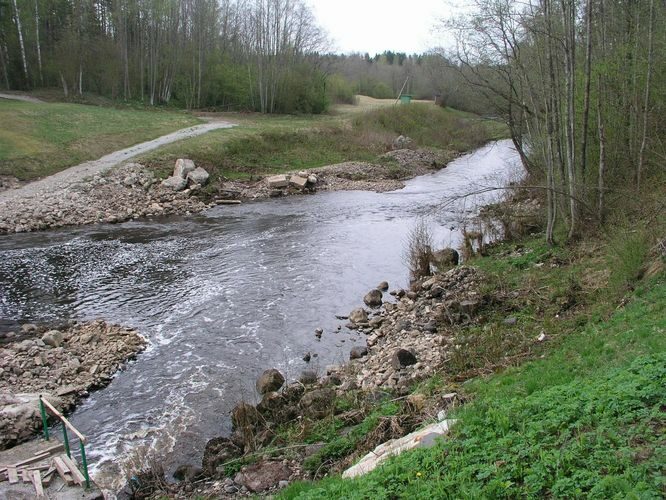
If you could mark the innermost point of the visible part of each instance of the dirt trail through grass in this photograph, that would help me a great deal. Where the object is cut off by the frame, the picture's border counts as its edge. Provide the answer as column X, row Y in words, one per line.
column 87, row 169
column 20, row 97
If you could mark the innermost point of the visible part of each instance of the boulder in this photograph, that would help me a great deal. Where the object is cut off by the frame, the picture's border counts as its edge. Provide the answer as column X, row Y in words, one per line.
column 262, row 476
column 53, row 338
column 318, row 403
column 358, row 352
column 198, row 176
column 271, row 380
column 358, row 315
column 244, row 415
column 183, row 168
column 175, row 183
column 277, row 181
column 383, row 286
column 312, row 179
column 298, row 181
column 402, row 358
column 373, row 298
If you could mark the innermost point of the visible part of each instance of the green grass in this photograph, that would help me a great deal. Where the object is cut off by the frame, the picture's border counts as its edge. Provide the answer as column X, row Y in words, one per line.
column 580, row 415
column 270, row 145
column 40, row 139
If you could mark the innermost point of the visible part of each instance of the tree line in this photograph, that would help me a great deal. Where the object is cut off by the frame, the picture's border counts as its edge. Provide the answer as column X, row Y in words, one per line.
column 234, row 54
column 580, row 84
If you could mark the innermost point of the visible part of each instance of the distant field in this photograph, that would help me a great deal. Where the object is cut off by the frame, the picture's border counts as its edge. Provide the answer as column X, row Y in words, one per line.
column 40, row 139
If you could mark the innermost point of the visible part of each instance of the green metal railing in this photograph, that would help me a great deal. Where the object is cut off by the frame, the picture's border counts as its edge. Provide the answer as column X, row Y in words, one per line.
column 43, row 406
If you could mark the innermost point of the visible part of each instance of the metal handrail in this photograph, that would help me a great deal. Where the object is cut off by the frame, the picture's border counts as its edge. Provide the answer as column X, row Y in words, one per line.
column 43, row 405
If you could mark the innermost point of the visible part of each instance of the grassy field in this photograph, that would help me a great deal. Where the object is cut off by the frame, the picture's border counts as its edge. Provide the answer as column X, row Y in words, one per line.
column 579, row 415
column 267, row 145
column 40, row 139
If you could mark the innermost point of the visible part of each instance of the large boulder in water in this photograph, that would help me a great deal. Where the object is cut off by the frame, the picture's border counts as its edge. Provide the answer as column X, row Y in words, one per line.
column 270, row 381
column 358, row 316
column 373, row 298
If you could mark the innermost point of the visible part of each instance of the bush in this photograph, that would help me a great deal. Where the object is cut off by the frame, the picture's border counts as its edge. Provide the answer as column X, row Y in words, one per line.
column 419, row 254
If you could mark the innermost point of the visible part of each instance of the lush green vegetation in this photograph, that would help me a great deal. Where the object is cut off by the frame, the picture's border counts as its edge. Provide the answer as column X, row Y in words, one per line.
column 271, row 145
column 584, row 417
column 40, row 139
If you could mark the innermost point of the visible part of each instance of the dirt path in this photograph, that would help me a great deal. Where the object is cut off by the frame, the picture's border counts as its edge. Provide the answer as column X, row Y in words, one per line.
column 80, row 172
column 20, row 97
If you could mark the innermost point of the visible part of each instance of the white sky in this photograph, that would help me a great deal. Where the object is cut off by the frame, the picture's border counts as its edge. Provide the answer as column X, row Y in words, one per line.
column 377, row 25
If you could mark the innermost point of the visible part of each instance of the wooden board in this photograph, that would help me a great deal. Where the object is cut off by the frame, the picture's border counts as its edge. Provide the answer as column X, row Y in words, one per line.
column 37, row 481
column 26, row 475
column 63, row 470
column 33, row 460
column 13, row 476
column 53, row 449
column 48, row 476
column 74, row 470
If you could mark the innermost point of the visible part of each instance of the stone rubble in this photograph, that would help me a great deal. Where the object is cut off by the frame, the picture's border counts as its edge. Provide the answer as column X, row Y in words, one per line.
column 63, row 365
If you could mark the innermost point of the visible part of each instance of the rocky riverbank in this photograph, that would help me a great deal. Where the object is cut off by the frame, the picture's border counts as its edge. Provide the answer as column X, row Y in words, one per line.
column 132, row 191
column 63, row 364
column 409, row 338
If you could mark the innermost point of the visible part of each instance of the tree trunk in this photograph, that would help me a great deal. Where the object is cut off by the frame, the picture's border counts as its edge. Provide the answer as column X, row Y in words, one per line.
column 586, row 105
column 17, row 20
column 646, row 102
column 37, row 41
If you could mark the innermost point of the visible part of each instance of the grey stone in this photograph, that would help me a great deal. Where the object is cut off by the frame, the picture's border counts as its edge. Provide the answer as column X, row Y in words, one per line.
column 358, row 352
column 175, row 183
column 53, row 338
column 183, row 167
column 198, row 176
column 358, row 315
column 298, row 181
column 269, row 381
column 277, row 181
column 373, row 298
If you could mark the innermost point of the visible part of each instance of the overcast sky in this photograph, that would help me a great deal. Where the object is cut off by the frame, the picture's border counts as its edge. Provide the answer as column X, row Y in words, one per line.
column 377, row 25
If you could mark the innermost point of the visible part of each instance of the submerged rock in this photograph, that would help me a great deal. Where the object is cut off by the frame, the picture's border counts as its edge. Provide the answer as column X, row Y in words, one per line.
column 373, row 298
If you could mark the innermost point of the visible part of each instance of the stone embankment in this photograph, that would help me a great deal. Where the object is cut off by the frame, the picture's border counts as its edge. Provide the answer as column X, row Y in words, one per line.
column 132, row 191
column 62, row 364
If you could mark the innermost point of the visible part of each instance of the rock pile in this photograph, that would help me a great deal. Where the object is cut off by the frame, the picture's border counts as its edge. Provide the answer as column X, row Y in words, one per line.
column 126, row 192
column 404, row 338
column 63, row 365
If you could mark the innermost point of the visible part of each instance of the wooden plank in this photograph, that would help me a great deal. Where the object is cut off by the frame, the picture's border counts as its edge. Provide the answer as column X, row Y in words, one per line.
column 37, row 481
column 63, row 470
column 32, row 460
column 48, row 476
column 13, row 476
column 81, row 437
column 26, row 476
column 53, row 449
column 74, row 469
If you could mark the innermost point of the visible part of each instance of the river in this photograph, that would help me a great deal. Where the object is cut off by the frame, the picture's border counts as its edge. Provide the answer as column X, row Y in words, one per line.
column 223, row 295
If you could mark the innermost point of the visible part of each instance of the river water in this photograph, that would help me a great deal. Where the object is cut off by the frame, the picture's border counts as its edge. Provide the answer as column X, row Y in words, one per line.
column 223, row 295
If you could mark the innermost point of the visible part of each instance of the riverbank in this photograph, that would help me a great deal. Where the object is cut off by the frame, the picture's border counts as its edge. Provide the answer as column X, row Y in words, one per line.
column 63, row 364
column 529, row 332
column 133, row 191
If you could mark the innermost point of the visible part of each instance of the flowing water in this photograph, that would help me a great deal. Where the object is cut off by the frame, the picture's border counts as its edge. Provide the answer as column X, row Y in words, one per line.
column 223, row 295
